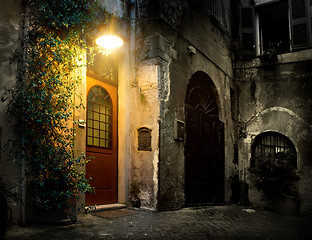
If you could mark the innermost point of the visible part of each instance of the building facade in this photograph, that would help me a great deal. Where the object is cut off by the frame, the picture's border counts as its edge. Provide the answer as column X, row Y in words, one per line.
column 195, row 88
column 273, row 76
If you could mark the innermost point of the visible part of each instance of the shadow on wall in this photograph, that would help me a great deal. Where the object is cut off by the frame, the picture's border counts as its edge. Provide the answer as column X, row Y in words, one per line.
column 7, row 195
column 239, row 191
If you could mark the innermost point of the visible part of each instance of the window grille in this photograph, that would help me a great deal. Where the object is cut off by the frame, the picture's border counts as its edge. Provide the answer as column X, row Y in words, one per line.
column 99, row 124
column 271, row 143
column 104, row 66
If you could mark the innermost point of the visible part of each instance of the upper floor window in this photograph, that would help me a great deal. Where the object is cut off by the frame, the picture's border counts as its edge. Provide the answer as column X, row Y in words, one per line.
column 274, row 27
column 278, row 26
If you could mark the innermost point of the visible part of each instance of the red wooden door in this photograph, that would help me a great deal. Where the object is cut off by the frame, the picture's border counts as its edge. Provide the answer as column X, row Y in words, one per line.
column 101, row 142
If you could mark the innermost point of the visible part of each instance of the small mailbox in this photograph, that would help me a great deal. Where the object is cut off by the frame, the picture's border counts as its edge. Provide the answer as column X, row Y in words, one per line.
column 144, row 139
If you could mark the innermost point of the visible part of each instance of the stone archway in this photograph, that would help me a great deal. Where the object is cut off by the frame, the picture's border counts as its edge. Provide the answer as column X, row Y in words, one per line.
column 204, row 145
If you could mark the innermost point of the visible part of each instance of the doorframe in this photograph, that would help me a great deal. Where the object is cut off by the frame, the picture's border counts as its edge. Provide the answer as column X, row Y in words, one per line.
column 125, row 73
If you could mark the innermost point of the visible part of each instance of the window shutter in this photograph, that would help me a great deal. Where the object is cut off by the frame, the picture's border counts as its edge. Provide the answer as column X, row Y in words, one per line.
column 299, row 16
column 247, row 33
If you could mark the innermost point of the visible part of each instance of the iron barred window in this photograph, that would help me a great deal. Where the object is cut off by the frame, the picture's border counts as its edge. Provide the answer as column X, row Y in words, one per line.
column 272, row 143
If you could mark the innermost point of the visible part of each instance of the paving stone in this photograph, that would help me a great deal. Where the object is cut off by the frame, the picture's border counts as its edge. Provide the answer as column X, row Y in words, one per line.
column 212, row 222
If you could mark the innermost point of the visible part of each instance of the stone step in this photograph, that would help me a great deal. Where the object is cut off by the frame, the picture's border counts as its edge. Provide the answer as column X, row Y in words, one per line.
column 105, row 207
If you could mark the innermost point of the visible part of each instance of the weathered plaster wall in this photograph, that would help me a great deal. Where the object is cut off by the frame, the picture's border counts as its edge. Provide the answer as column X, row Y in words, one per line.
column 213, row 57
column 148, row 87
column 10, row 32
column 118, row 8
column 277, row 97
column 124, row 76
column 145, row 113
column 80, row 115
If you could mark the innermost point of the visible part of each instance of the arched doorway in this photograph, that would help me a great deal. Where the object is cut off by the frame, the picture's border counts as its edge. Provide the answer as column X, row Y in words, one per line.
column 102, row 129
column 204, row 145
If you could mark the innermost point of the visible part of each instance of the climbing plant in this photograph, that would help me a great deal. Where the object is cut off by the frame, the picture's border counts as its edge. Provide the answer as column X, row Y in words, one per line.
column 276, row 175
column 51, row 61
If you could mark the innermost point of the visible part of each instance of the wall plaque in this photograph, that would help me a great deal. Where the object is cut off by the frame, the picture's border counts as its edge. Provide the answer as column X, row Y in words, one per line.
column 144, row 139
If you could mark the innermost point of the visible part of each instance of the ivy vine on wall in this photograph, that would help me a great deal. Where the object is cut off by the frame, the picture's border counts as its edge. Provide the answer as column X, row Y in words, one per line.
column 42, row 104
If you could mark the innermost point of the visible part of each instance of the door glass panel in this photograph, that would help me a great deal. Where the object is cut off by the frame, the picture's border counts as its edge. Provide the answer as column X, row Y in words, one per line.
column 99, row 118
column 96, row 142
column 89, row 114
column 95, row 90
column 90, row 124
column 96, row 107
column 102, row 108
column 97, row 99
column 102, row 101
column 102, row 143
column 96, row 125
column 90, row 106
column 90, row 96
column 102, row 118
column 89, row 132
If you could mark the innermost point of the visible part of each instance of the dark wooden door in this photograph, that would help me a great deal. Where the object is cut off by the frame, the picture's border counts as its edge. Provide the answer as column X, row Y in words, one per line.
column 204, row 161
column 204, row 143
column 101, row 142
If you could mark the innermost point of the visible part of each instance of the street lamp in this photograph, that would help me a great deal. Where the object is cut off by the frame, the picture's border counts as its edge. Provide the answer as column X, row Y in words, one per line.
column 108, row 43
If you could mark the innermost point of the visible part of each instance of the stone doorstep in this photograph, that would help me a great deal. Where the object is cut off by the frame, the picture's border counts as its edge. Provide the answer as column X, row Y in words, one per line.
column 107, row 207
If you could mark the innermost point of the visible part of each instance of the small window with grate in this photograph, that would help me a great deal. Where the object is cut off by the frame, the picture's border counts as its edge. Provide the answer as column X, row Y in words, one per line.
column 272, row 143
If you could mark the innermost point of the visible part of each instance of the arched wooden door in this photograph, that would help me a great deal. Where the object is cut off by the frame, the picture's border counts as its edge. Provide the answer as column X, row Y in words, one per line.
column 204, row 145
column 101, row 142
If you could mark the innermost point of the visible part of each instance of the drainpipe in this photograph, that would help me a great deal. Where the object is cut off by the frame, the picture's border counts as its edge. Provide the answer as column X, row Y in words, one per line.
column 132, row 80
column 132, row 13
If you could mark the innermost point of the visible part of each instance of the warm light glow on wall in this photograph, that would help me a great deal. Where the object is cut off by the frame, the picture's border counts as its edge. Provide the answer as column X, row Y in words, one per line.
column 108, row 43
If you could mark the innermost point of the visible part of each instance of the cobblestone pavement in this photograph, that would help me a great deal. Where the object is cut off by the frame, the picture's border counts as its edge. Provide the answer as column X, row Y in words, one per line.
column 212, row 222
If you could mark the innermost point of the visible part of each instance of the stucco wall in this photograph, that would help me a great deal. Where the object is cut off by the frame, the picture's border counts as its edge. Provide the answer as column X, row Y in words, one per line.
column 213, row 57
column 162, row 44
column 10, row 32
column 277, row 97
column 118, row 8
column 144, row 113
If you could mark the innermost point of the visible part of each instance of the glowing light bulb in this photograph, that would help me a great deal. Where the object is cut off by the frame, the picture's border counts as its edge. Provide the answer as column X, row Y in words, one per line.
column 108, row 43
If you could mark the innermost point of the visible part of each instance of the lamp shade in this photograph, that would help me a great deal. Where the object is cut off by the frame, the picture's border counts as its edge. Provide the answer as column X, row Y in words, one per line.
column 108, row 43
